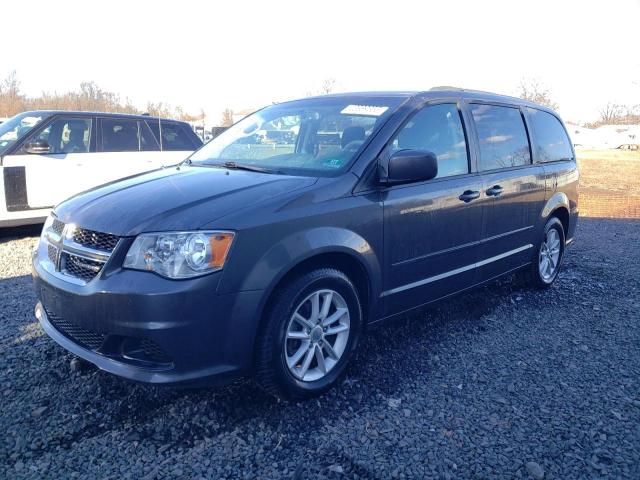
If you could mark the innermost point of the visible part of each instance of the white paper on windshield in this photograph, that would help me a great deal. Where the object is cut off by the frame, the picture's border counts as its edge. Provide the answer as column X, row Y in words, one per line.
column 369, row 110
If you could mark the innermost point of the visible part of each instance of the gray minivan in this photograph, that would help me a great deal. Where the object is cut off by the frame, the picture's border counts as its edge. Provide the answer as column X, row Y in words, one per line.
column 271, row 249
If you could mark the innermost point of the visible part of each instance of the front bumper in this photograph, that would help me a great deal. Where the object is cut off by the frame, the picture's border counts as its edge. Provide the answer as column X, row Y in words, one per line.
column 195, row 334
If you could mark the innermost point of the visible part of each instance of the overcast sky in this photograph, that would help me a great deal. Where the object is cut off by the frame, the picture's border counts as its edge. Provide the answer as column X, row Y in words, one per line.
column 243, row 54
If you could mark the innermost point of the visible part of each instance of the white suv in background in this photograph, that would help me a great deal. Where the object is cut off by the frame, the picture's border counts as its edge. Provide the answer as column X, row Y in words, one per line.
column 48, row 156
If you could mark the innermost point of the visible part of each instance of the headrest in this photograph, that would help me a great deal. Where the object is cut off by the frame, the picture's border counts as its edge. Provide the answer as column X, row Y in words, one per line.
column 77, row 125
column 351, row 134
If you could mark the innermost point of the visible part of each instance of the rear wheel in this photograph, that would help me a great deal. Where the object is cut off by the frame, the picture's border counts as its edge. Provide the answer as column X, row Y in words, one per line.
column 548, row 256
column 310, row 332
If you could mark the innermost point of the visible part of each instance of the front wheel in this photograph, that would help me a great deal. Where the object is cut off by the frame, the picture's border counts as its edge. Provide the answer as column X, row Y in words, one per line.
column 310, row 331
column 548, row 256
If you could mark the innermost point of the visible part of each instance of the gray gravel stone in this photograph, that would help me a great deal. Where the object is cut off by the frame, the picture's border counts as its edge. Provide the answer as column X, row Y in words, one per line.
column 535, row 470
column 489, row 385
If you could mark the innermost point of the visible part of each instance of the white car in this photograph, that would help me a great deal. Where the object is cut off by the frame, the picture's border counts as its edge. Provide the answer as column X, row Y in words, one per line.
column 48, row 156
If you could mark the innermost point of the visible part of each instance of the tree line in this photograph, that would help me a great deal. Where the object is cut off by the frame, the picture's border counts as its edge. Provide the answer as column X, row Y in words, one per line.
column 90, row 97
column 611, row 114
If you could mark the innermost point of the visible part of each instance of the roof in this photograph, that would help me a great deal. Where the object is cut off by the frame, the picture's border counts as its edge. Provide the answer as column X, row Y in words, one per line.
column 102, row 114
column 439, row 92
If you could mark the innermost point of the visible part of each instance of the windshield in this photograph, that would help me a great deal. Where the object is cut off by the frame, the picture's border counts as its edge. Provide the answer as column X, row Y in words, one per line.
column 316, row 137
column 17, row 127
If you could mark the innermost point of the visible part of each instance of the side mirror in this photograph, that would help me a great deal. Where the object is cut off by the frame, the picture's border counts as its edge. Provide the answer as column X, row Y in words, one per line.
column 37, row 146
column 406, row 166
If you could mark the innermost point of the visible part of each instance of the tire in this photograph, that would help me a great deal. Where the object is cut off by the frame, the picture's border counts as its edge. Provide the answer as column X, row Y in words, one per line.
column 541, row 273
column 286, row 339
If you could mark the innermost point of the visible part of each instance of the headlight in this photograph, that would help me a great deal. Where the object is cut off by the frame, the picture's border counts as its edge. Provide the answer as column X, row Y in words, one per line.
column 179, row 254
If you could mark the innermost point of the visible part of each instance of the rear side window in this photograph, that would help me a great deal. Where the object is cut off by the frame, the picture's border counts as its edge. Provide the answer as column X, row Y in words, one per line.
column 502, row 135
column 175, row 136
column 549, row 137
column 437, row 129
column 126, row 135
column 120, row 135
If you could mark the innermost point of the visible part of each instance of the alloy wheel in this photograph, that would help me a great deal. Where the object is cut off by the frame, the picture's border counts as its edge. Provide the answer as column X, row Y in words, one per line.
column 549, row 256
column 317, row 335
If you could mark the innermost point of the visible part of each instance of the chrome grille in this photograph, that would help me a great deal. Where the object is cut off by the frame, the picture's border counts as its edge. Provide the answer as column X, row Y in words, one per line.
column 78, row 255
column 73, row 331
column 93, row 239
column 80, row 267
column 57, row 227
column 52, row 251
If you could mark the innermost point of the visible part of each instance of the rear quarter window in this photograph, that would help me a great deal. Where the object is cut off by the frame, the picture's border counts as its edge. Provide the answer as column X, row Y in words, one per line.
column 550, row 140
column 175, row 136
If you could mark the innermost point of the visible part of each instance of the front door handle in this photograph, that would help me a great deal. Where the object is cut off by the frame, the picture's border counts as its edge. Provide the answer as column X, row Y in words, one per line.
column 469, row 195
column 494, row 191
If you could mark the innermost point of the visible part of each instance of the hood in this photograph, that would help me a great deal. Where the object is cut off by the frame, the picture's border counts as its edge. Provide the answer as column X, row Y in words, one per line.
column 177, row 198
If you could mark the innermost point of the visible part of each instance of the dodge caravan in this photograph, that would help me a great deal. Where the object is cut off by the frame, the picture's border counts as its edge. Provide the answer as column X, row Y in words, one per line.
column 47, row 156
column 269, row 251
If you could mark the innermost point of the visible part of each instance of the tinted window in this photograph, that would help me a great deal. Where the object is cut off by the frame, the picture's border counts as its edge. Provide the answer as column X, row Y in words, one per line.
column 67, row 135
column 174, row 137
column 437, row 129
column 549, row 137
column 502, row 136
column 148, row 142
column 120, row 135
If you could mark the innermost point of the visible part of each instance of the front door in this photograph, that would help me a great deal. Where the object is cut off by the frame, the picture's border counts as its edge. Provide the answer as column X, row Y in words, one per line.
column 514, row 189
column 57, row 174
column 432, row 229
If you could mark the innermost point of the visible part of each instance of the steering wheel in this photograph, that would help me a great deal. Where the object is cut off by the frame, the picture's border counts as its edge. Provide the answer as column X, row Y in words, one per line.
column 353, row 145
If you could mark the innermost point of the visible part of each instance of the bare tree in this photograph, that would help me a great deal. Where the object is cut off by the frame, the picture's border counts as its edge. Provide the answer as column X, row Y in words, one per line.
column 90, row 97
column 328, row 85
column 534, row 90
column 227, row 118
column 610, row 114
column 159, row 109
column 11, row 100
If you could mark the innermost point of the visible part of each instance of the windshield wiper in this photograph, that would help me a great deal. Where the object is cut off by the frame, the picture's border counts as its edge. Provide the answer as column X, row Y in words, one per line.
column 251, row 168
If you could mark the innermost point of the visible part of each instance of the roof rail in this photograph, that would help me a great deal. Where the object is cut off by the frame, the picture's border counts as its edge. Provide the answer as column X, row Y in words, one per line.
column 459, row 89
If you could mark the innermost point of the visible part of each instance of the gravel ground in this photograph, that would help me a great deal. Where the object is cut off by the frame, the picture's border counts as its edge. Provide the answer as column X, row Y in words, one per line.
column 501, row 383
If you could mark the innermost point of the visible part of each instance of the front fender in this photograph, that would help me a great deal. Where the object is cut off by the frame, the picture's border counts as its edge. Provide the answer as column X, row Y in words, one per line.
column 283, row 256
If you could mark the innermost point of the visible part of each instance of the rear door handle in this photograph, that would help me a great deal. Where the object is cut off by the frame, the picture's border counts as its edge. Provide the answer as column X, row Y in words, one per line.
column 494, row 191
column 469, row 195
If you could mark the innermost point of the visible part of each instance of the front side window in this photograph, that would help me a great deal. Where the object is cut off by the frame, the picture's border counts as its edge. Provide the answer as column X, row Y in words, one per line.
column 316, row 136
column 437, row 129
column 502, row 135
column 17, row 127
column 549, row 137
column 67, row 135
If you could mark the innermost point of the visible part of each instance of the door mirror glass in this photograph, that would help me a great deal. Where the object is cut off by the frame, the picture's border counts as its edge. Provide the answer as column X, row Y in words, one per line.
column 406, row 166
column 37, row 147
